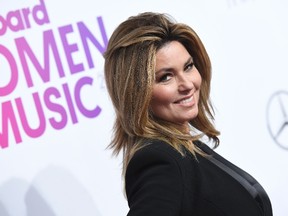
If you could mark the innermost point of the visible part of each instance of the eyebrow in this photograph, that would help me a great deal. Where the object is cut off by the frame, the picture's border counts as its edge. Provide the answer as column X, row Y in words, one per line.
column 169, row 69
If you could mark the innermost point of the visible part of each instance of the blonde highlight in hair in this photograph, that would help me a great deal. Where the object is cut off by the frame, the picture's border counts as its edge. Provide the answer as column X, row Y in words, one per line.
column 130, row 62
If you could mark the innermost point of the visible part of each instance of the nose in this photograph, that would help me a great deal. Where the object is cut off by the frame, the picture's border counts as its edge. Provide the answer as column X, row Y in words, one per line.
column 184, row 83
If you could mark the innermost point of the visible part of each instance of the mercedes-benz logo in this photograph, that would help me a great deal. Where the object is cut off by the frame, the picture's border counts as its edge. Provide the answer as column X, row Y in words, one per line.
column 277, row 118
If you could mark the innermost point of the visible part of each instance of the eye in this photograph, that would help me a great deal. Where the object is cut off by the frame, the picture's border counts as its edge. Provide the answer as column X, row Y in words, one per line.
column 164, row 78
column 189, row 66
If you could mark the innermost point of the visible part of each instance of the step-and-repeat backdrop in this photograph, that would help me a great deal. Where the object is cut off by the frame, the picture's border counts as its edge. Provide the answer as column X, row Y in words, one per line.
column 56, row 117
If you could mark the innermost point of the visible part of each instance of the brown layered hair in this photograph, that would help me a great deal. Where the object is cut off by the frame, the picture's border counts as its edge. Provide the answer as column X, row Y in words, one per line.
column 130, row 61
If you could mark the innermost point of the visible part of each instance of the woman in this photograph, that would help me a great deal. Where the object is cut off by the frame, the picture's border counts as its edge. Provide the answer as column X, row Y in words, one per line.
column 158, row 76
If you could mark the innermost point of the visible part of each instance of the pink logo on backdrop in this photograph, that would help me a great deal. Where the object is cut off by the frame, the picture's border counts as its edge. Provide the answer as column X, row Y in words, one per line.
column 58, row 104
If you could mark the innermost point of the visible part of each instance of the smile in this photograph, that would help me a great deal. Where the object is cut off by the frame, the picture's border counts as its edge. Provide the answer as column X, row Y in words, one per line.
column 185, row 101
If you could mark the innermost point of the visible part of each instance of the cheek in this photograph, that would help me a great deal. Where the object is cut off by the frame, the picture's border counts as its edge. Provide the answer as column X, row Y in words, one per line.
column 161, row 96
column 198, row 87
column 197, row 84
column 197, row 80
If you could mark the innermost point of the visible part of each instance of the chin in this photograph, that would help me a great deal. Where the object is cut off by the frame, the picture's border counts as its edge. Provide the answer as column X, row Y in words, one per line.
column 193, row 115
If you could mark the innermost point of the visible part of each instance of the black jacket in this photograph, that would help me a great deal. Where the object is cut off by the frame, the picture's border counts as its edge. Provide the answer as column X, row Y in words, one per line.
column 161, row 182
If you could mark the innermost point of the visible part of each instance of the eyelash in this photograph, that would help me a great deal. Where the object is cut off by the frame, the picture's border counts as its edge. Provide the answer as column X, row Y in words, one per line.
column 163, row 78
column 189, row 66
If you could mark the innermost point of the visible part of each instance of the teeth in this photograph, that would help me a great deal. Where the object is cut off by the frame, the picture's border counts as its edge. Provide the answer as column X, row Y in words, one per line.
column 186, row 100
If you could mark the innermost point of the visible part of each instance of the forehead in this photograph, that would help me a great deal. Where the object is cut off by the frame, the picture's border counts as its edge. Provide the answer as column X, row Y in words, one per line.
column 172, row 48
column 171, row 53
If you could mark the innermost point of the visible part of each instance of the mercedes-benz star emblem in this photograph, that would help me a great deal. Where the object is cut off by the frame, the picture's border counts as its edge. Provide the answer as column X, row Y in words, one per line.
column 277, row 118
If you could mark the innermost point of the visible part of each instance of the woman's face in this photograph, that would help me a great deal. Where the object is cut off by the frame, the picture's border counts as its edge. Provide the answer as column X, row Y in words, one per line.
column 176, row 89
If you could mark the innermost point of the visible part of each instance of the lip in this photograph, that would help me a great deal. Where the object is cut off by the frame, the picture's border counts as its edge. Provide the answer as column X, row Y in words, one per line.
column 186, row 101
